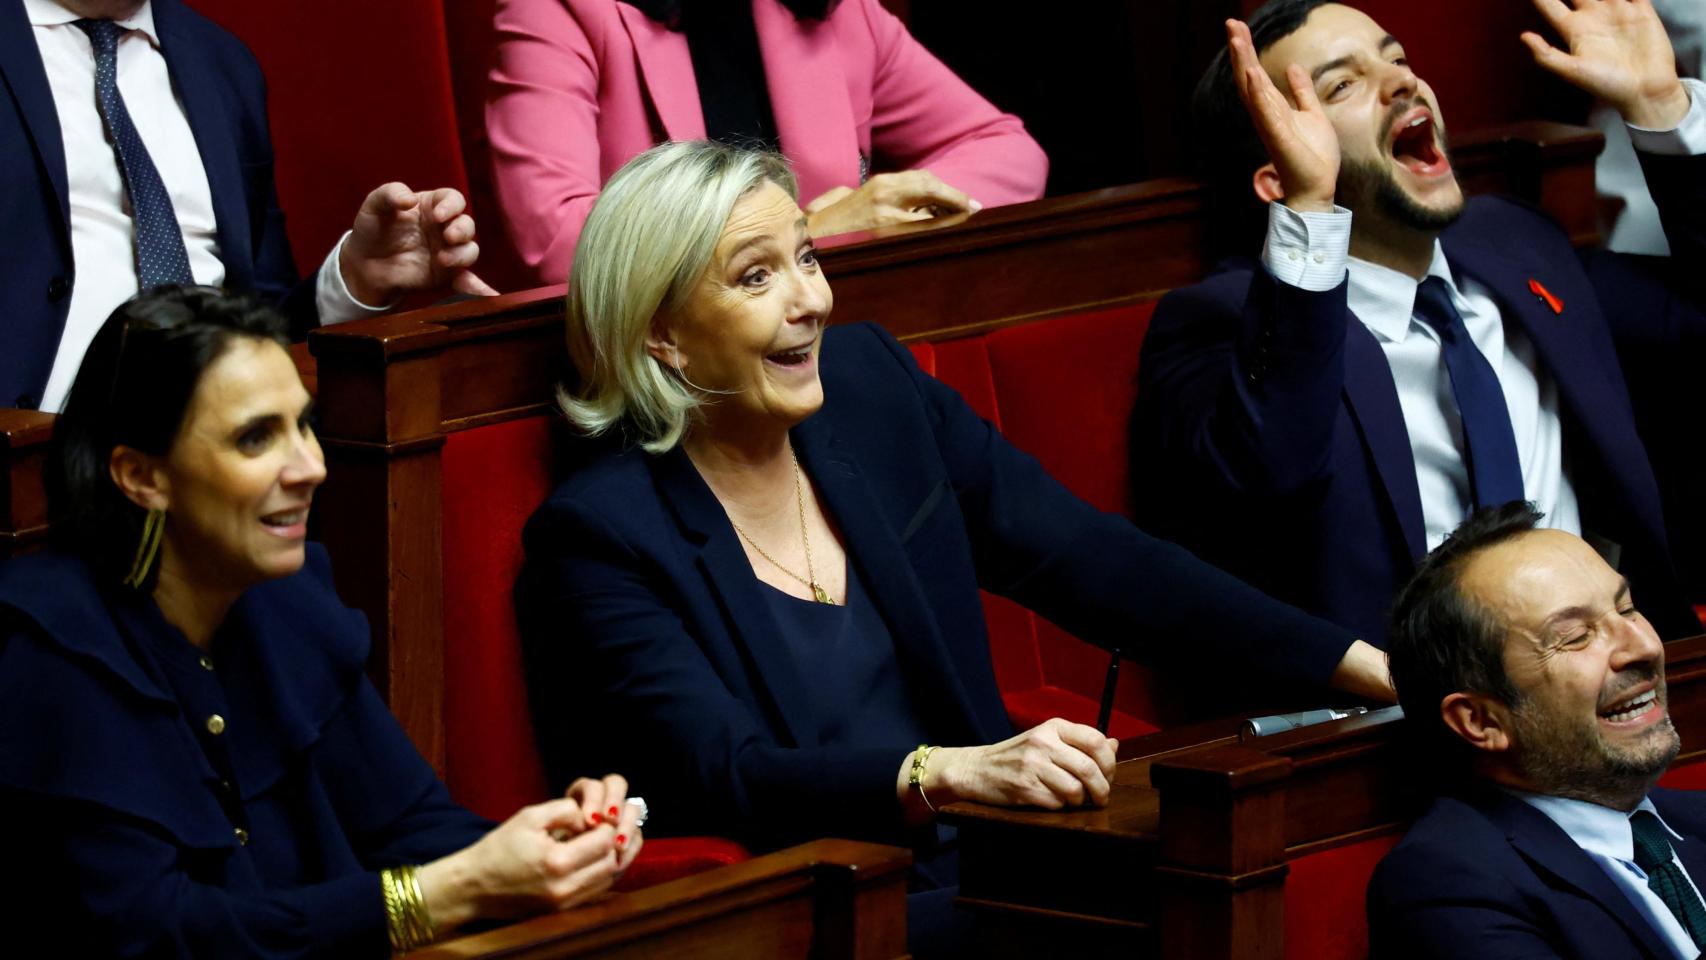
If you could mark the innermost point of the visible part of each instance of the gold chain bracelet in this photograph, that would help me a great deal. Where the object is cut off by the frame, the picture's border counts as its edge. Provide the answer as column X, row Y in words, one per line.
column 916, row 777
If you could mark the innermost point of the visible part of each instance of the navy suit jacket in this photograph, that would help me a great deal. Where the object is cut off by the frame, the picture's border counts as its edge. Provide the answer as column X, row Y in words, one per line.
column 651, row 648
column 1268, row 435
column 1487, row 875
column 125, row 809
column 225, row 99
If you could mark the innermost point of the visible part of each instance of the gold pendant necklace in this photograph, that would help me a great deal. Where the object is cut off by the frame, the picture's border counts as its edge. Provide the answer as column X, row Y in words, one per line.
column 810, row 579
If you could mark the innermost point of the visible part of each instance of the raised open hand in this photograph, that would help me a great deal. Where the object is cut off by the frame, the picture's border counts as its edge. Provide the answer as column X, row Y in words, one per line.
column 1300, row 140
column 1620, row 53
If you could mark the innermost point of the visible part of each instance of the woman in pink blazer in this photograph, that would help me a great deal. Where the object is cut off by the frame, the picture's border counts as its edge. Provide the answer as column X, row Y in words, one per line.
column 578, row 87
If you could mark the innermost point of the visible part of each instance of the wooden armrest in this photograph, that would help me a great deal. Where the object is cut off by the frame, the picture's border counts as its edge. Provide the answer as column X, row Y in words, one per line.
column 24, row 443
column 829, row 898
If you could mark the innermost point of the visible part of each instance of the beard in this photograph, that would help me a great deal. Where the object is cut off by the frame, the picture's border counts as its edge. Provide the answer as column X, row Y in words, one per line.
column 1566, row 757
column 1369, row 187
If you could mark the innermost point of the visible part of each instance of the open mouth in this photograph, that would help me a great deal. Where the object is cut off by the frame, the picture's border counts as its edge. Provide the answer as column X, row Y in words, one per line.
column 796, row 357
column 285, row 521
column 1630, row 710
column 1416, row 148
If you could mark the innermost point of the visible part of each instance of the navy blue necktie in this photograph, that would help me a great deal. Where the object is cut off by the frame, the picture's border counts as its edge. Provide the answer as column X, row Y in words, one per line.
column 1653, row 855
column 160, row 254
column 1495, row 472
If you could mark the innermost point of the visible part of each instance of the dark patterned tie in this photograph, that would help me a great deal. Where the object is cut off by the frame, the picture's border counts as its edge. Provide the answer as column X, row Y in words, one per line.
column 160, row 255
column 1495, row 472
column 1664, row 877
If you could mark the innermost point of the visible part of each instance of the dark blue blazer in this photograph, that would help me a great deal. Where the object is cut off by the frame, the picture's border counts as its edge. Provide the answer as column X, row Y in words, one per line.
column 1269, row 439
column 651, row 649
column 1486, row 875
column 122, row 811
column 225, row 98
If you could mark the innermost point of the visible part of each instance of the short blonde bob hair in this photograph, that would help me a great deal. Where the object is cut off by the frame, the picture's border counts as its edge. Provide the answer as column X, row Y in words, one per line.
column 646, row 244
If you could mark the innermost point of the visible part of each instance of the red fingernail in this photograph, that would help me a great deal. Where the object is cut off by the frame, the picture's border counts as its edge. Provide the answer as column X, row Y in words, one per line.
column 621, row 839
column 615, row 811
column 598, row 818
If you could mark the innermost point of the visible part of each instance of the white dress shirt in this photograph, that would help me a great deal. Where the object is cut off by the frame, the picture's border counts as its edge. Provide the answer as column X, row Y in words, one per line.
column 103, row 246
column 1605, row 836
column 1312, row 251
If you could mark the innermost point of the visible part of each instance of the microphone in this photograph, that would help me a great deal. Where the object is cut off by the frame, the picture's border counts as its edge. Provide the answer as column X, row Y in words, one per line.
column 1281, row 722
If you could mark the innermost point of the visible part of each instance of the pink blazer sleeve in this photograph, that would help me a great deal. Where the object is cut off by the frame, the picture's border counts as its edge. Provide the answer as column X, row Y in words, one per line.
column 925, row 117
column 542, row 120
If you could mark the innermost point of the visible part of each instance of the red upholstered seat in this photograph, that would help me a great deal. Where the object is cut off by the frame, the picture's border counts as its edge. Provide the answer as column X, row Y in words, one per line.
column 493, row 479
column 1060, row 390
column 1324, row 896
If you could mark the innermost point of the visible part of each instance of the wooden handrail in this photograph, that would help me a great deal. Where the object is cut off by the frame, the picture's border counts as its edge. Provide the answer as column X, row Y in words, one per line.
column 832, row 899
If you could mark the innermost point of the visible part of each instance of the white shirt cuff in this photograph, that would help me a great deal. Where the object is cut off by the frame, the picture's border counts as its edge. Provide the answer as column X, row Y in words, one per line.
column 332, row 296
column 1686, row 139
column 1308, row 250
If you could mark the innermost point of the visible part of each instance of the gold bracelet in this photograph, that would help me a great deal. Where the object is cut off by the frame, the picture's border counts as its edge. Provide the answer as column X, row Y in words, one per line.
column 916, row 777
column 406, row 918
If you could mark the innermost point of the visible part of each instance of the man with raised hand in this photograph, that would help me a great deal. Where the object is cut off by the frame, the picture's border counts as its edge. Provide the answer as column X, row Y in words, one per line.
column 1316, row 420
column 134, row 152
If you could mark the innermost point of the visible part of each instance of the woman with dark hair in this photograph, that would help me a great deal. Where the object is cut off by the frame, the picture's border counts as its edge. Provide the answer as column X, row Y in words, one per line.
column 877, row 129
column 192, row 761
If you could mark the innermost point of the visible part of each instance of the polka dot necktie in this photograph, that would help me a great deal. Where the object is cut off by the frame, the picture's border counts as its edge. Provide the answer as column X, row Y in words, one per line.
column 160, row 255
column 1495, row 471
column 1653, row 855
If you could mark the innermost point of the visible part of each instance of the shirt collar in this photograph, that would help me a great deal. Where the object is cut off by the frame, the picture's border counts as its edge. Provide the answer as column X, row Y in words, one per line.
column 47, row 13
column 1385, row 299
column 1594, row 828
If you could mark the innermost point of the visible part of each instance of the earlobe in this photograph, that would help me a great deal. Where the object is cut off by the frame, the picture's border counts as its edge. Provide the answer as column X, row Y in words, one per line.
column 138, row 476
column 1479, row 720
column 660, row 343
column 1266, row 182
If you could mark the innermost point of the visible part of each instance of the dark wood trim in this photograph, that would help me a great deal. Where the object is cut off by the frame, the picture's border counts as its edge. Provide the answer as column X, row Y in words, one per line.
column 25, row 438
column 832, row 899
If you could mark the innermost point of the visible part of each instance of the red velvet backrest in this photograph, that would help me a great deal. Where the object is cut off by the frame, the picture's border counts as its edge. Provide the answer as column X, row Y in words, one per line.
column 1325, row 894
column 1061, row 389
column 1065, row 389
column 359, row 94
column 495, row 476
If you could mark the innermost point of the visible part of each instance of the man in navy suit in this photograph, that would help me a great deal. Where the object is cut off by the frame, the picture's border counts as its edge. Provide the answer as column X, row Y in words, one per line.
column 1540, row 687
column 134, row 150
column 1317, row 420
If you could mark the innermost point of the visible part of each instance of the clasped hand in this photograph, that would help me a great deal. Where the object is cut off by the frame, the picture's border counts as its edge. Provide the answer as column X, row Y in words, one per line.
column 1052, row 765
column 546, row 857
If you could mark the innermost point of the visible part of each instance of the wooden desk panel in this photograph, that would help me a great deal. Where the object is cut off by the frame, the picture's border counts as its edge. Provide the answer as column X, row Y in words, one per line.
column 832, row 899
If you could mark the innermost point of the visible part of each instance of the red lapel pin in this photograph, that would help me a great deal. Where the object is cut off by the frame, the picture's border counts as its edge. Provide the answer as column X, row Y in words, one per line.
column 1545, row 295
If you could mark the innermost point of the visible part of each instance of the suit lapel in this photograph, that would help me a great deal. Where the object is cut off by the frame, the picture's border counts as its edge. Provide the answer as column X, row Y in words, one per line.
column 204, row 94
column 808, row 95
column 1546, row 846
column 21, row 68
column 1592, row 399
column 723, row 562
column 875, row 548
column 667, row 67
column 1373, row 399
